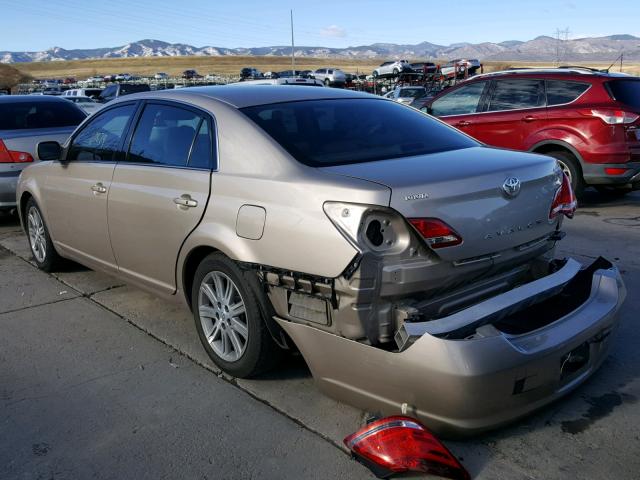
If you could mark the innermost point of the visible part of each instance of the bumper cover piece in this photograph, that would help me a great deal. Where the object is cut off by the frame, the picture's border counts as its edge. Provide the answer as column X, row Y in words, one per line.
column 463, row 387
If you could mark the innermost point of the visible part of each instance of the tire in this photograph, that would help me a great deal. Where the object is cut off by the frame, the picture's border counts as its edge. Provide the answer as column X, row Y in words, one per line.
column 42, row 249
column 571, row 167
column 375, row 74
column 395, row 72
column 613, row 192
column 239, row 344
column 326, row 82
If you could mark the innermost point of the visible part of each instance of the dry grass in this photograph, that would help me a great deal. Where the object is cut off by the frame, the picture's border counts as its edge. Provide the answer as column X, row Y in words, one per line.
column 11, row 76
column 228, row 65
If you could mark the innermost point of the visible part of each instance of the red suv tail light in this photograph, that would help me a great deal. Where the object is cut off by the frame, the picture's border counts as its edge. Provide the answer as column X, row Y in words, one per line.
column 402, row 444
column 564, row 201
column 12, row 156
column 437, row 233
column 615, row 117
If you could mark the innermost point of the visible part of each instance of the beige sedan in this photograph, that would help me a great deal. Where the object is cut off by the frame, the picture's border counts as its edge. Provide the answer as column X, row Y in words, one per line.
column 411, row 266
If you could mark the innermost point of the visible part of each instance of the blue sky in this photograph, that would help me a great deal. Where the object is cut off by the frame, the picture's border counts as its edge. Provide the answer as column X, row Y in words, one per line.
column 38, row 25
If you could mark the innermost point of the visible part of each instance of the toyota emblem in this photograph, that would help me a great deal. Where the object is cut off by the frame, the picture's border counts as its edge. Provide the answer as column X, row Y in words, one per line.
column 511, row 187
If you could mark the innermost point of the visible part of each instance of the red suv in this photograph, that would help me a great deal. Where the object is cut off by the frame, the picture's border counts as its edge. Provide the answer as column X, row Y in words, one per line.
column 587, row 119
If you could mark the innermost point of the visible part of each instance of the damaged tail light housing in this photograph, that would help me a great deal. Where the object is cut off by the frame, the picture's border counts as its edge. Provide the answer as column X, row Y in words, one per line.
column 437, row 233
column 564, row 201
column 399, row 444
column 13, row 156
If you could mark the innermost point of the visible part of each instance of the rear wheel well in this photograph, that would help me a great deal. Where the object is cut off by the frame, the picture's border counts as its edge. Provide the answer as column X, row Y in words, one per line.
column 548, row 148
column 190, row 266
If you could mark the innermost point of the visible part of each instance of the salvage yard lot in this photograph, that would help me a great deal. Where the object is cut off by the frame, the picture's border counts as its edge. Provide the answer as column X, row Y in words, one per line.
column 157, row 361
column 228, row 65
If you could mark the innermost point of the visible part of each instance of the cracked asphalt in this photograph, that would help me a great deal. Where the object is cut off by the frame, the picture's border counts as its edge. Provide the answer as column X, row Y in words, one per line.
column 101, row 380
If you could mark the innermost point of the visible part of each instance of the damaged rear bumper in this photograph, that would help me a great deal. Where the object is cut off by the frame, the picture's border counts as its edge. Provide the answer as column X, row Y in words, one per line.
column 462, row 385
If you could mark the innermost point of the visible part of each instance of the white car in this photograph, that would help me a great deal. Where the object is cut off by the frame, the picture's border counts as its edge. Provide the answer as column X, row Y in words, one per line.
column 82, row 92
column 392, row 68
column 161, row 76
column 458, row 67
column 88, row 105
column 95, row 79
column 406, row 95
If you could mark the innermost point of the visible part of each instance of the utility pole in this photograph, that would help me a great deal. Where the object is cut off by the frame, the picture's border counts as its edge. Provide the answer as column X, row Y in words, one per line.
column 562, row 36
column 293, row 56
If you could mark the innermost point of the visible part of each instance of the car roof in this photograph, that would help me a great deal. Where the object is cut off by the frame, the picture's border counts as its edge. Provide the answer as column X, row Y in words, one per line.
column 240, row 96
column 573, row 72
column 30, row 98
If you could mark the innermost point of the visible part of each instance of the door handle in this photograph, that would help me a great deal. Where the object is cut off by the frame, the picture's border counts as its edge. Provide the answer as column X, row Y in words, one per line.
column 529, row 118
column 98, row 188
column 185, row 200
column 463, row 123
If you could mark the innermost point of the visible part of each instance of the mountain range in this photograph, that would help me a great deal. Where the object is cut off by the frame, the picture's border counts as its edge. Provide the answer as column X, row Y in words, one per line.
column 543, row 48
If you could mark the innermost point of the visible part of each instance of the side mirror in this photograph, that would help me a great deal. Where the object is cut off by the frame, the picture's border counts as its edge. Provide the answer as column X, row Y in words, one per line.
column 49, row 151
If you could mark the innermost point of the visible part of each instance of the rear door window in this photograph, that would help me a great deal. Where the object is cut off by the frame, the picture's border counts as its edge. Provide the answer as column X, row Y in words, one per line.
column 462, row 101
column 560, row 92
column 101, row 138
column 34, row 114
column 165, row 135
column 625, row 91
column 516, row 94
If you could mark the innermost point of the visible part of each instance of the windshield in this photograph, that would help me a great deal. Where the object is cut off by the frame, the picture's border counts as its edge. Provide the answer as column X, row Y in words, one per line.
column 411, row 92
column 626, row 91
column 323, row 133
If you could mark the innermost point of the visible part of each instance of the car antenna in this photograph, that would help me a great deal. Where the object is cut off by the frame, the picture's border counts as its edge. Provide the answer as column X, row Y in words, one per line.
column 619, row 57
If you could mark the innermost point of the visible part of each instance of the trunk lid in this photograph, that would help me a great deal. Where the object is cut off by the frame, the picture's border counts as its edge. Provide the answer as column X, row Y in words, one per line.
column 464, row 188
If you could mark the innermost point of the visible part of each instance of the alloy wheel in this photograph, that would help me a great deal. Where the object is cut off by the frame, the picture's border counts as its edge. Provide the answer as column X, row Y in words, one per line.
column 223, row 316
column 37, row 239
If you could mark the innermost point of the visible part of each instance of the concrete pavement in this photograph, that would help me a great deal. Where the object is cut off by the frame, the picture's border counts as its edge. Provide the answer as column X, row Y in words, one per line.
column 591, row 434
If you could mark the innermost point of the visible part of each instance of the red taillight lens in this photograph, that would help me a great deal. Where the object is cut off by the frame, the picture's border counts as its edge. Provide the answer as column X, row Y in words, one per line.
column 402, row 444
column 564, row 201
column 437, row 233
column 616, row 171
column 615, row 117
column 12, row 156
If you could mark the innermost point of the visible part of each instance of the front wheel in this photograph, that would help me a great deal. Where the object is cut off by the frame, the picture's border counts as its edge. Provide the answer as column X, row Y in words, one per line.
column 229, row 320
column 326, row 82
column 44, row 254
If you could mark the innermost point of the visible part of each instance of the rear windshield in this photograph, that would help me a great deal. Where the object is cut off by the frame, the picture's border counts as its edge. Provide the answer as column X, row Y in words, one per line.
column 335, row 132
column 33, row 114
column 626, row 91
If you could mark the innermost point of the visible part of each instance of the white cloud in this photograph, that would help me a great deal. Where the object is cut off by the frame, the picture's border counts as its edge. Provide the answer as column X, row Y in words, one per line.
column 333, row 31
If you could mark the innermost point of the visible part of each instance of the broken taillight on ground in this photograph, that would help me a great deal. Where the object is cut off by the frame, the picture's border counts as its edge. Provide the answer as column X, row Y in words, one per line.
column 399, row 444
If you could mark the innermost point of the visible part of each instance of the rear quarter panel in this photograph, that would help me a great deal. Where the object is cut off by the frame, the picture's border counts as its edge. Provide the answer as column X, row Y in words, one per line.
column 254, row 170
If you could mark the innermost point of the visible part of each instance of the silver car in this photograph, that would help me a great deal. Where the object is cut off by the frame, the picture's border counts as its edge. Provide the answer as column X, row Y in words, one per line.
column 26, row 120
column 330, row 76
column 411, row 266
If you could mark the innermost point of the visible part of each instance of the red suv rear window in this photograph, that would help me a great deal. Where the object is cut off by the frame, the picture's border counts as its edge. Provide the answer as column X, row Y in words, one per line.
column 626, row 91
